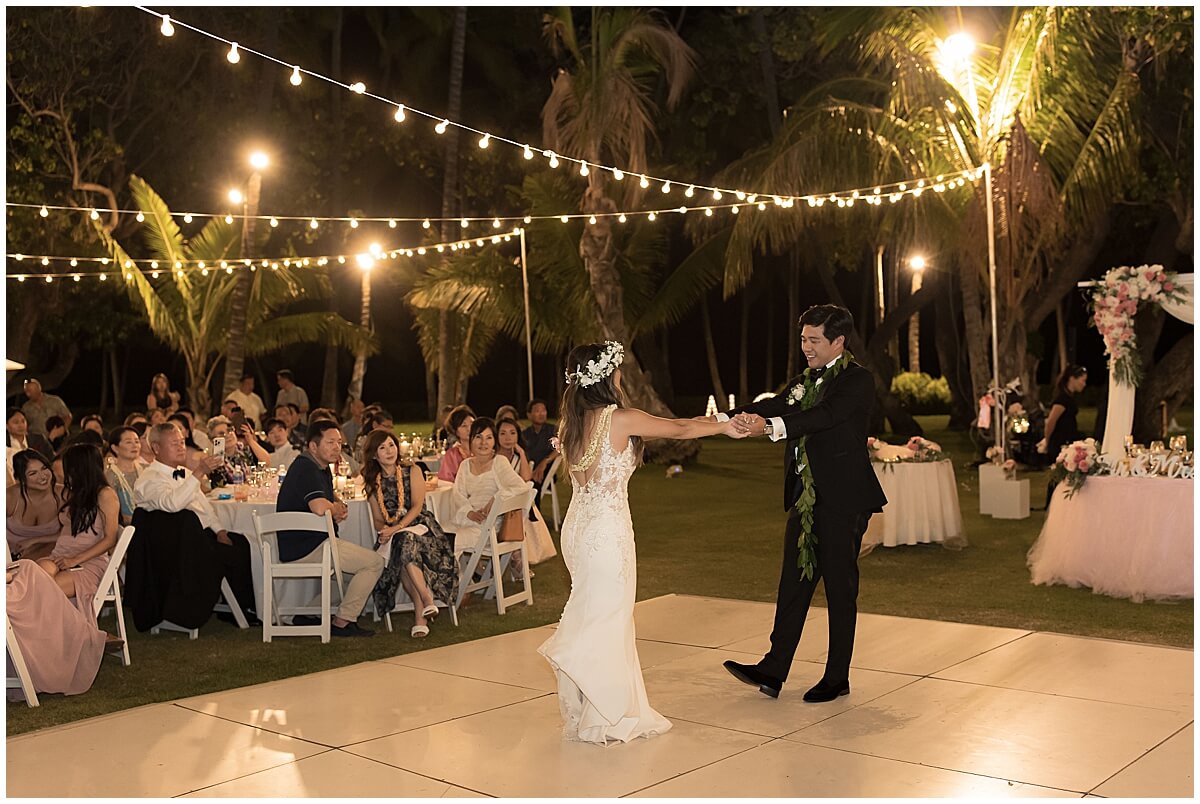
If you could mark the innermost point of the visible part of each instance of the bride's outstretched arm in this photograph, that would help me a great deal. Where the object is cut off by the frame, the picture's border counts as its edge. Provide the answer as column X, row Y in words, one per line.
column 628, row 422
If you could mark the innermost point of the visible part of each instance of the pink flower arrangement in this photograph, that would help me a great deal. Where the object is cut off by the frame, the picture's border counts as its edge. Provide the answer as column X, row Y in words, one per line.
column 1076, row 461
column 1115, row 303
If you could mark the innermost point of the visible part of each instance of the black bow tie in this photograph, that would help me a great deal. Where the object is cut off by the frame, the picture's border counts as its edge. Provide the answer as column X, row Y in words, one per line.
column 816, row 373
column 179, row 474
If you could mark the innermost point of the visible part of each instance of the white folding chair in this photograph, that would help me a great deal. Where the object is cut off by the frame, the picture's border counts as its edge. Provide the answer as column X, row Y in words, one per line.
column 550, row 486
column 500, row 553
column 230, row 605
column 109, row 590
column 266, row 526
column 18, row 660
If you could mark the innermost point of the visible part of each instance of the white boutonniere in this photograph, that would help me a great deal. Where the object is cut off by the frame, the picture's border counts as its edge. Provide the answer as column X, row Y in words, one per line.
column 796, row 394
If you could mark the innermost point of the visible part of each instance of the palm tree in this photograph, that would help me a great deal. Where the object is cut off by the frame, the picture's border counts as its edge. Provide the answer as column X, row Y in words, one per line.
column 601, row 110
column 190, row 312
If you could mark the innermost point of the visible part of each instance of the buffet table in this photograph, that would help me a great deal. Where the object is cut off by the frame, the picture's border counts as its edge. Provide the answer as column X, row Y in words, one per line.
column 922, row 506
column 1128, row 537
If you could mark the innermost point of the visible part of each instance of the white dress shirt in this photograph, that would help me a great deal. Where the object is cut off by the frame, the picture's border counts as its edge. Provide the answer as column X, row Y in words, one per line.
column 251, row 404
column 283, row 456
column 778, row 430
column 158, row 490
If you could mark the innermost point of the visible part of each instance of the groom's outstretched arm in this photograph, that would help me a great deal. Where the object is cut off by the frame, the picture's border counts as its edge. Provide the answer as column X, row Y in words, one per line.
column 850, row 397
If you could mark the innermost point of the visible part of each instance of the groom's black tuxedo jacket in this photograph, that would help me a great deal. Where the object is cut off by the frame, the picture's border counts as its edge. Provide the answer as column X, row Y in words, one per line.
column 837, row 441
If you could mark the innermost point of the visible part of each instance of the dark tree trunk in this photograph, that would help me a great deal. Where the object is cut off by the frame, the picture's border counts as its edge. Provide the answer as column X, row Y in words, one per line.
column 951, row 359
column 329, row 378
column 744, row 352
column 790, row 326
column 769, row 378
column 710, row 350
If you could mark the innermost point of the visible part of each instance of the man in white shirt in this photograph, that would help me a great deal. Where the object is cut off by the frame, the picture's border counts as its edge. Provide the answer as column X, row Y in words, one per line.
column 277, row 436
column 251, row 403
column 166, row 485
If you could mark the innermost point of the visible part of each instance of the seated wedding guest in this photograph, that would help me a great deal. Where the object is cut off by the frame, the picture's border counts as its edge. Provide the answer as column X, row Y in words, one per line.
column 250, row 403
column 156, row 416
column 91, row 518
column 143, row 431
column 328, row 415
column 277, row 436
column 290, row 415
column 422, row 557
column 56, row 432
column 92, row 422
column 199, row 437
column 323, row 414
column 537, row 442
column 134, row 418
column 459, row 424
column 32, row 507
column 481, row 482
column 353, row 419
column 124, row 466
column 538, row 544
column 62, row 646
column 308, row 487
column 506, row 412
column 161, row 397
column 364, row 429
column 42, row 406
column 199, row 462
column 167, row 487
column 242, row 453
column 291, row 394
column 17, row 438
column 90, row 437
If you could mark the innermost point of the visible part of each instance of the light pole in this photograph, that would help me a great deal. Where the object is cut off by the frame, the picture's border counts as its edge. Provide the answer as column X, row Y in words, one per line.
column 528, row 331
column 235, row 353
column 365, row 263
column 917, row 264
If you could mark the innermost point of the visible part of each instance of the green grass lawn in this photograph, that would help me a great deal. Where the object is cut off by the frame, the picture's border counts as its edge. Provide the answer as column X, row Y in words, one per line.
column 716, row 530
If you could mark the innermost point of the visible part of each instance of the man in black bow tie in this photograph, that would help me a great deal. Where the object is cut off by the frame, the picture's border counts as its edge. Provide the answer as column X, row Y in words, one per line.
column 166, row 485
column 829, row 490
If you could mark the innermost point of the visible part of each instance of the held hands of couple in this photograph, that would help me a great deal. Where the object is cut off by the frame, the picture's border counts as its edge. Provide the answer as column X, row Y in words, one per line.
column 749, row 424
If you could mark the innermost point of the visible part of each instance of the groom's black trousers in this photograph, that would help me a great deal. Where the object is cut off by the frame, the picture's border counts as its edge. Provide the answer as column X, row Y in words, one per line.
column 839, row 537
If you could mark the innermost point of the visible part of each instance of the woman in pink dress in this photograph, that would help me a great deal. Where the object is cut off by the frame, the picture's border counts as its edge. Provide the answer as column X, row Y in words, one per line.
column 61, row 646
column 459, row 422
column 91, row 516
column 32, row 507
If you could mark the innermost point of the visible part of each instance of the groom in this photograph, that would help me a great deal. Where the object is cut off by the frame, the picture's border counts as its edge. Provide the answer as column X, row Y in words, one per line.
column 830, row 490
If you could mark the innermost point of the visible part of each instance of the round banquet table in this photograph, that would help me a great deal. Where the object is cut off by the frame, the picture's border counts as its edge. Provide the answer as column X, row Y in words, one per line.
column 922, row 507
column 1128, row 537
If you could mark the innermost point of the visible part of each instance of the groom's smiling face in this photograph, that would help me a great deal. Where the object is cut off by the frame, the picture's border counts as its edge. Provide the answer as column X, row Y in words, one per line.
column 817, row 348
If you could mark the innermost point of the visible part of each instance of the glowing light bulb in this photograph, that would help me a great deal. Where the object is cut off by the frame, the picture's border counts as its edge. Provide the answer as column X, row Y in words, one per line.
column 167, row 29
column 154, row 274
column 354, row 223
column 76, row 277
column 21, row 277
column 644, row 183
column 666, row 188
column 734, row 209
column 228, row 269
column 45, row 261
column 716, row 195
column 187, row 218
column 527, row 152
column 740, row 195
column 425, row 223
column 358, row 87
column 392, row 223
column 592, row 220
column 651, row 216
column 19, row 257
column 74, row 262
column 690, row 191
column 527, row 219
column 553, row 159
column 274, row 222
column 233, row 56
column 229, row 219
column 95, row 215
column 441, row 127
column 621, row 218
column 463, row 223
column 399, row 115
column 762, row 207
column 496, row 223
column 583, row 169
column 45, row 213
column 618, row 174
column 203, row 272
column 485, row 140
column 296, row 79
column 312, row 224
column 49, row 279
column 565, row 218
column 103, row 277
column 140, row 217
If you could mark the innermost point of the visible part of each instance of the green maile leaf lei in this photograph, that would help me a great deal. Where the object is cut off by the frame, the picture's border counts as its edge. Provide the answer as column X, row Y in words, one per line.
column 813, row 388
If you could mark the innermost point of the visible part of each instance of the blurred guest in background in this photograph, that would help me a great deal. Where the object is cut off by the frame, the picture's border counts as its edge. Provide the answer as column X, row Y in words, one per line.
column 250, row 403
column 290, row 393
column 277, row 436
column 56, row 432
column 92, row 422
column 42, row 406
column 161, row 397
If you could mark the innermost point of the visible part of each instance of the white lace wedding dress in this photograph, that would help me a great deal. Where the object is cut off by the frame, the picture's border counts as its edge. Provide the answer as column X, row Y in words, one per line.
column 593, row 652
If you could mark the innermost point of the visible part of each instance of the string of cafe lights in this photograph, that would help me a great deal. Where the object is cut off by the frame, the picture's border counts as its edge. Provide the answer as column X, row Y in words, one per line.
column 401, row 112
column 876, row 195
column 156, row 268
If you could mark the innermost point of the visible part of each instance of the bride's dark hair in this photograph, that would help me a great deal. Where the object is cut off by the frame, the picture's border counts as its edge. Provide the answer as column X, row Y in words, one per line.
column 578, row 399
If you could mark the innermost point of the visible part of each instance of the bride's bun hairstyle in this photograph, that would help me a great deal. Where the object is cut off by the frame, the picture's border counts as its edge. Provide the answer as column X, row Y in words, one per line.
column 589, row 374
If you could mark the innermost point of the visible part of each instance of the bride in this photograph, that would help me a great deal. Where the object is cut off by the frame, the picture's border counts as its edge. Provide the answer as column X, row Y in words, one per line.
column 600, row 690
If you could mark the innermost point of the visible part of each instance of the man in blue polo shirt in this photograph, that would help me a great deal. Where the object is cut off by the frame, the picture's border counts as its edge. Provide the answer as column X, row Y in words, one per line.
column 308, row 488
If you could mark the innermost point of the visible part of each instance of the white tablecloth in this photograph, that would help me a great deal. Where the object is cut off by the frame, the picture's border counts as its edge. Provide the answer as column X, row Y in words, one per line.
column 922, row 506
column 1125, row 537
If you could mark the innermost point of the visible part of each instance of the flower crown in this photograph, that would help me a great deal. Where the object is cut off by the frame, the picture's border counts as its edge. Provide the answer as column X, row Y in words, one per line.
column 596, row 370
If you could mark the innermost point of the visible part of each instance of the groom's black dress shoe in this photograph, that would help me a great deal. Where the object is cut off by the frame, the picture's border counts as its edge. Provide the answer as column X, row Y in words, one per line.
column 749, row 674
column 826, row 691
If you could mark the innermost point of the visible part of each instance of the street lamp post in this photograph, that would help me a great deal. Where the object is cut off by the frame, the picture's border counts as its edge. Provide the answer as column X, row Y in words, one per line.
column 235, row 354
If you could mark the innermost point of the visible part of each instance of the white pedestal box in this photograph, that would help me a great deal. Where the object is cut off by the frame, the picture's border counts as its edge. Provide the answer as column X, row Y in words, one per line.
column 1011, row 500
